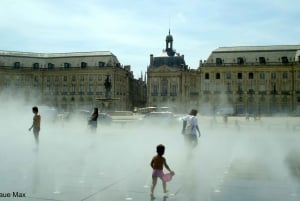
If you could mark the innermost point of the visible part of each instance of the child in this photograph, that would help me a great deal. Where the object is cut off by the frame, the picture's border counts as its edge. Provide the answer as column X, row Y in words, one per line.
column 157, row 164
column 36, row 125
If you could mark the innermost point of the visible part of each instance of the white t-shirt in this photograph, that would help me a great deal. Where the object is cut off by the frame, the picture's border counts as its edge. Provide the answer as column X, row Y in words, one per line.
column 191, row 121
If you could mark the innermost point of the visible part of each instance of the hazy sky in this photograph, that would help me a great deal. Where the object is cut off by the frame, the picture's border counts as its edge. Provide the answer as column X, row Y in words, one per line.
column 132, row 30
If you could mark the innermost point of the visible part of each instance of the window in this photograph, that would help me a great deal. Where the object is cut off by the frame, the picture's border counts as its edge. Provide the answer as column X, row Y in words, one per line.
column 219, row 61
column 239, row 76
column 240, row 88
column 206, row 76
column 240, row 60
column 73, row 89
column 73, row 78
column 164, row 87
column 228, row 87
column 101, row 64
column 261, row 76
column 228, row 76
column 65, row 78
column 273, row 75
column 285, row 75
column 91, row 78
column 36, row 66
column 81, row 77
column 206, row 86
column 218, row 76
column 250, row 76
column 174, row 89
column 67, row 65
column 284, row 60
column 262, row 87
column 17, row 65
column 262, row 60
column 273, row 90
column 83, row 64
column 50, row 65
column 154, row 89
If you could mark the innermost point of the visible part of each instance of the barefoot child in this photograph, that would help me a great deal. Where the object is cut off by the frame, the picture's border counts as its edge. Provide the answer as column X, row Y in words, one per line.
column 157, row 163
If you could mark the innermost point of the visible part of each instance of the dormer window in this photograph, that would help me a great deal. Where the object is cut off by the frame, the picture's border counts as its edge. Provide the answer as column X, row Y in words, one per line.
column 262, row 60
column 36, row 66
column 67, row 65
column 50, row 65
column 83, row 64
column 240, row 60
column 101, row 64
column 17, row 65
column 284, row 60
column 219, row 61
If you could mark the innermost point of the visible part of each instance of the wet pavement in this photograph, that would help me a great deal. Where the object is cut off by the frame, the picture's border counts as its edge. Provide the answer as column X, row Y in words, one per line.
column 256, row 160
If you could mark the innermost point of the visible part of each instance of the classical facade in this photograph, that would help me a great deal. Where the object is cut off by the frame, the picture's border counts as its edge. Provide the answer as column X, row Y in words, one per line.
column 252, row 79
column 169, row 80
column 259, row 80
column 70, row 80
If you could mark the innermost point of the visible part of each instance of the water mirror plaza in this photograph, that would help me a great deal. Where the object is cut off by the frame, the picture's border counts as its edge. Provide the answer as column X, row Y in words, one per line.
column 238, row 160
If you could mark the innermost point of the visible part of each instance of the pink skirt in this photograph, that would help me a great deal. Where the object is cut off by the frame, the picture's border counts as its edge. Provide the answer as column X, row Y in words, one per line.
column 159, row 173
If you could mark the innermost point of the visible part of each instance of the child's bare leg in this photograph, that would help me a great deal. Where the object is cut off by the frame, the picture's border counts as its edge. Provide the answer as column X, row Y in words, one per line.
column 165, row 186
column 154, row 181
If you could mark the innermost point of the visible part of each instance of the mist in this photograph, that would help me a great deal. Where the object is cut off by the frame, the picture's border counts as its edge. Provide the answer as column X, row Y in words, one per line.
column 73, row 163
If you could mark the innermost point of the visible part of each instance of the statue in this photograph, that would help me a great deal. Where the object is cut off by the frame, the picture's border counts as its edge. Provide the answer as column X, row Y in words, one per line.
column 107, row 85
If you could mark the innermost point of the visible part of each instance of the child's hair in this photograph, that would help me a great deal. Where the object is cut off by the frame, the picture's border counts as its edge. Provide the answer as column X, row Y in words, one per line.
column 160, row 149
column 193, row 112
column 35, row 109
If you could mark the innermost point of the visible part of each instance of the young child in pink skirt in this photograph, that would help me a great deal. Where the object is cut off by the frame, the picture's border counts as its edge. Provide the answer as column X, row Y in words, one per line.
column 157, row 163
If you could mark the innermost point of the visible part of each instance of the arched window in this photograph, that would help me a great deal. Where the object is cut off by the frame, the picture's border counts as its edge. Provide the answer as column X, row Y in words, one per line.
column 67, row 65
column 36, row 66
column 50, row 65
column 83, row 65
column 17, row 65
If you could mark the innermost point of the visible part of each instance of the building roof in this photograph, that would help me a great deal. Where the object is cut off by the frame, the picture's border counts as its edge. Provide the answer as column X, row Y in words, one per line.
column 55, row 55
column 258, row 48
column 255, row 54
column 168, row 57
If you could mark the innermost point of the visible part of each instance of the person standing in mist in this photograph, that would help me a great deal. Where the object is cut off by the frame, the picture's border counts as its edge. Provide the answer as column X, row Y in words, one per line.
column 36, row 124
column 158, row 162
column 190, row 128
column 93, row 120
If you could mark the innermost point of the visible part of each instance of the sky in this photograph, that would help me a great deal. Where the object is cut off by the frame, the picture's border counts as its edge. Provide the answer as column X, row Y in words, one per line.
column 132, row 30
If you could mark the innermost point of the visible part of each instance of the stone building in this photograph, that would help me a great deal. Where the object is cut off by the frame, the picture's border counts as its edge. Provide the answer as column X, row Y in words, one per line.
column 69, row 80
column 170, row 83
column 252, row 79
